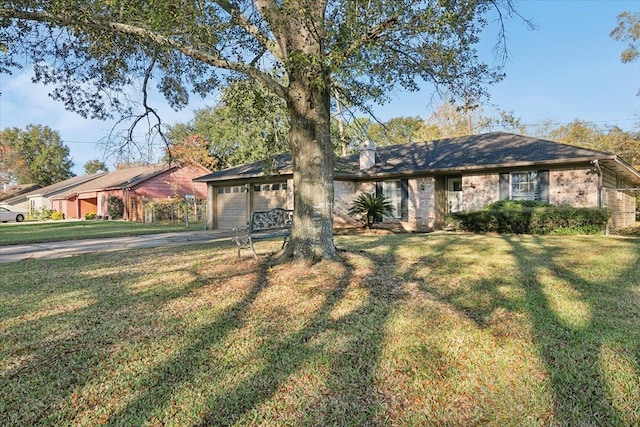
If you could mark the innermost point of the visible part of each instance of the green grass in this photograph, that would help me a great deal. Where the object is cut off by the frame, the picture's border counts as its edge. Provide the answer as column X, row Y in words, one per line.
column 51, row 231
column 406, row 330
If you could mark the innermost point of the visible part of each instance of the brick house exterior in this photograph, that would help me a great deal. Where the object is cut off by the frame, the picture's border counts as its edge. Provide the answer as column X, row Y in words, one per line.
column 427, row 180
column 135, row 186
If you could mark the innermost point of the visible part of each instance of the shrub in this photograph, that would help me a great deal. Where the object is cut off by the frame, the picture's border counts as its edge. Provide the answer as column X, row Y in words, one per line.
column 368, row 207
column 41, row 214
column 90, row 215
column 115, row 207
column 526, row 217
column 57, row 216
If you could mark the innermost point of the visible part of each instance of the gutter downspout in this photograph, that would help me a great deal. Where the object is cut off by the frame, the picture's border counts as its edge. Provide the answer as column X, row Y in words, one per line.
column 596, row 164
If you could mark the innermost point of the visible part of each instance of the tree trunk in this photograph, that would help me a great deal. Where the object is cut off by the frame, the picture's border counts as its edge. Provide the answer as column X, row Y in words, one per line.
column 312, row 153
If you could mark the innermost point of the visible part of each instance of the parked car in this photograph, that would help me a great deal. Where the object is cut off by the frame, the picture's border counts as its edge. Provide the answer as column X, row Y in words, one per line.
column 7, row 215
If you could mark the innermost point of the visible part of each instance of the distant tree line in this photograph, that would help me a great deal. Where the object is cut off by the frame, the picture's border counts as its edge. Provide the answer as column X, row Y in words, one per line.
column 36, row 155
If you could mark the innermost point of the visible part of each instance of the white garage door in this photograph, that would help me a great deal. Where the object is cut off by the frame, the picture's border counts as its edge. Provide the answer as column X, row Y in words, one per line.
column 231, row 207
column 269, row 196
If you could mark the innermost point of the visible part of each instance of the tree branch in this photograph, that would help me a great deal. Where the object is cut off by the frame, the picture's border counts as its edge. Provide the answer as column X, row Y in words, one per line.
column 252, row 29
column 214, row 59
column 371, row 35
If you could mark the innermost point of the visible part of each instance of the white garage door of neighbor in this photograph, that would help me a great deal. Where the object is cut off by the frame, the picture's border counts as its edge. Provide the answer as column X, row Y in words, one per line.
column 231, row 207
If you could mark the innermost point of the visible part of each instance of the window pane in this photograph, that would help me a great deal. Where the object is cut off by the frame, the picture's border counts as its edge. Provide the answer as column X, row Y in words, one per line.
column 524, row 186
column 392, row 191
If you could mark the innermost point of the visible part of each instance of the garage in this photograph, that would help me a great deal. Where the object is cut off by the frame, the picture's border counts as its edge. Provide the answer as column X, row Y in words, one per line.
column 269, row 196
column 231, row 207
column 234, row 204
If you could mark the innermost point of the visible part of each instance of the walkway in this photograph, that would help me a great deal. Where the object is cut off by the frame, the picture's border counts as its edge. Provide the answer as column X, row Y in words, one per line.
column 13, row 253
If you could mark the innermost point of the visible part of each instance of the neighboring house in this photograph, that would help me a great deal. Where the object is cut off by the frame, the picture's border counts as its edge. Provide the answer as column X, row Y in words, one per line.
column 427, row 180
column 134, row 186
column 15, row 192
column 41, row 197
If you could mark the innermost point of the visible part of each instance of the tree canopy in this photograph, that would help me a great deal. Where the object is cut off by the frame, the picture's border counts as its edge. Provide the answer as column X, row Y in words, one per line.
column 300, row 50
column 33, row 155
column 628, row 31
column 248, row 124
column 94, row 166
column 611, row 139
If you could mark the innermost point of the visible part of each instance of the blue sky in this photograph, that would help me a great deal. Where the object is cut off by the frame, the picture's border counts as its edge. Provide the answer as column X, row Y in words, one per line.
column 567, row 68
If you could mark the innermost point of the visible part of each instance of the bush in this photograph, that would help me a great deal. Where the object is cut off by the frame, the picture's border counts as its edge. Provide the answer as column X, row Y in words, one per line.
column 41, row 214
column 57, row 216
column 530, row 217
column 115, row 207
column 90, row 215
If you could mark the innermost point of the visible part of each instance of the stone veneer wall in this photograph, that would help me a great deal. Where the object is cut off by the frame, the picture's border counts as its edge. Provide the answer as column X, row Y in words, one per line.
column 574, row 187
column 289, row 194
column 422, row 212
column 421, row 203
column 344, row 193
column 480, row 190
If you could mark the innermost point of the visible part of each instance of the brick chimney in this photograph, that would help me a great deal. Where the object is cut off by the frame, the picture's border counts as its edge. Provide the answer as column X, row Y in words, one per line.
column 367, row 155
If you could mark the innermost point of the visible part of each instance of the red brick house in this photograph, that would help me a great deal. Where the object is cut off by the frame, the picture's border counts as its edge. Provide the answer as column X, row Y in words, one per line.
column 134, row 186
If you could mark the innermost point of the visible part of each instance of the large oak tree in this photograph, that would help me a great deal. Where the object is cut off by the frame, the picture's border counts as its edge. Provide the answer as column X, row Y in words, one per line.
column 33, row 155
column 303, row 51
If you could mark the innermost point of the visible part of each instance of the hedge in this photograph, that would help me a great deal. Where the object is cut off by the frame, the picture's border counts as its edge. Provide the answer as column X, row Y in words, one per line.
column 532, row 218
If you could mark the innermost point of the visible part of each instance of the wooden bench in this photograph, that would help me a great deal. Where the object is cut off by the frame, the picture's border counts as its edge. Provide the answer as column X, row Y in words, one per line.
column 264, row 225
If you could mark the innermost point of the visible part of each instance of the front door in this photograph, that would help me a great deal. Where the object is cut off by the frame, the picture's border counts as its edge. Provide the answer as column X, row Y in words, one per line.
column 454, row 194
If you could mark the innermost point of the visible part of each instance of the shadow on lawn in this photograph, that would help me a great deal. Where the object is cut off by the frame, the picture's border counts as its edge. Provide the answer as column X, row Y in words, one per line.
column 349, row 394
column 64, row 328
column 573, row 354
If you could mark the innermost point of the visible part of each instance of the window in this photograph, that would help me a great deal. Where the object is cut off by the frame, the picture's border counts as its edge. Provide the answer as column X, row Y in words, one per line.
column 397, row 192
column 525, row 186
column 391, row 191
column 620, row 184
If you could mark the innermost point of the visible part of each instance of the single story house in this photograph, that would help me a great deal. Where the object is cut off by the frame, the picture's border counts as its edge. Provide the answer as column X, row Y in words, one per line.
column 134, row 186
column 427, row 180
column 40, row 197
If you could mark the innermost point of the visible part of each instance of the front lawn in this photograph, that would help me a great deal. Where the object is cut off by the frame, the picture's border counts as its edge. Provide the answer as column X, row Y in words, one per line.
column 408, row 330
column 52, row 231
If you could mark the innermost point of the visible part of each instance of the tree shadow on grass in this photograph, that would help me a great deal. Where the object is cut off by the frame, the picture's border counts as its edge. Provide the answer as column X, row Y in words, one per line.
column 344, row 344
column 336, row 353
column 64, row 318
column 573, row 319
column 573, row 349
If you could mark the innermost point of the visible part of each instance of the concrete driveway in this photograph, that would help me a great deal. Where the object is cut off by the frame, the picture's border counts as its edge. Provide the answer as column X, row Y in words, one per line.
column 13, row 253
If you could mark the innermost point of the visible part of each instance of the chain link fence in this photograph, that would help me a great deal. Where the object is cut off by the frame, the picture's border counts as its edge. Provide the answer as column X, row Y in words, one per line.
column 176, row 211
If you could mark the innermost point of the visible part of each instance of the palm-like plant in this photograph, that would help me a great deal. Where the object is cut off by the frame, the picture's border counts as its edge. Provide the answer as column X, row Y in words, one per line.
column 369, row 206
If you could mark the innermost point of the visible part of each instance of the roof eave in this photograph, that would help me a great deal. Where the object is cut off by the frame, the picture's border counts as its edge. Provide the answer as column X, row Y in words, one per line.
column 250, row 177
column 364, row 175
